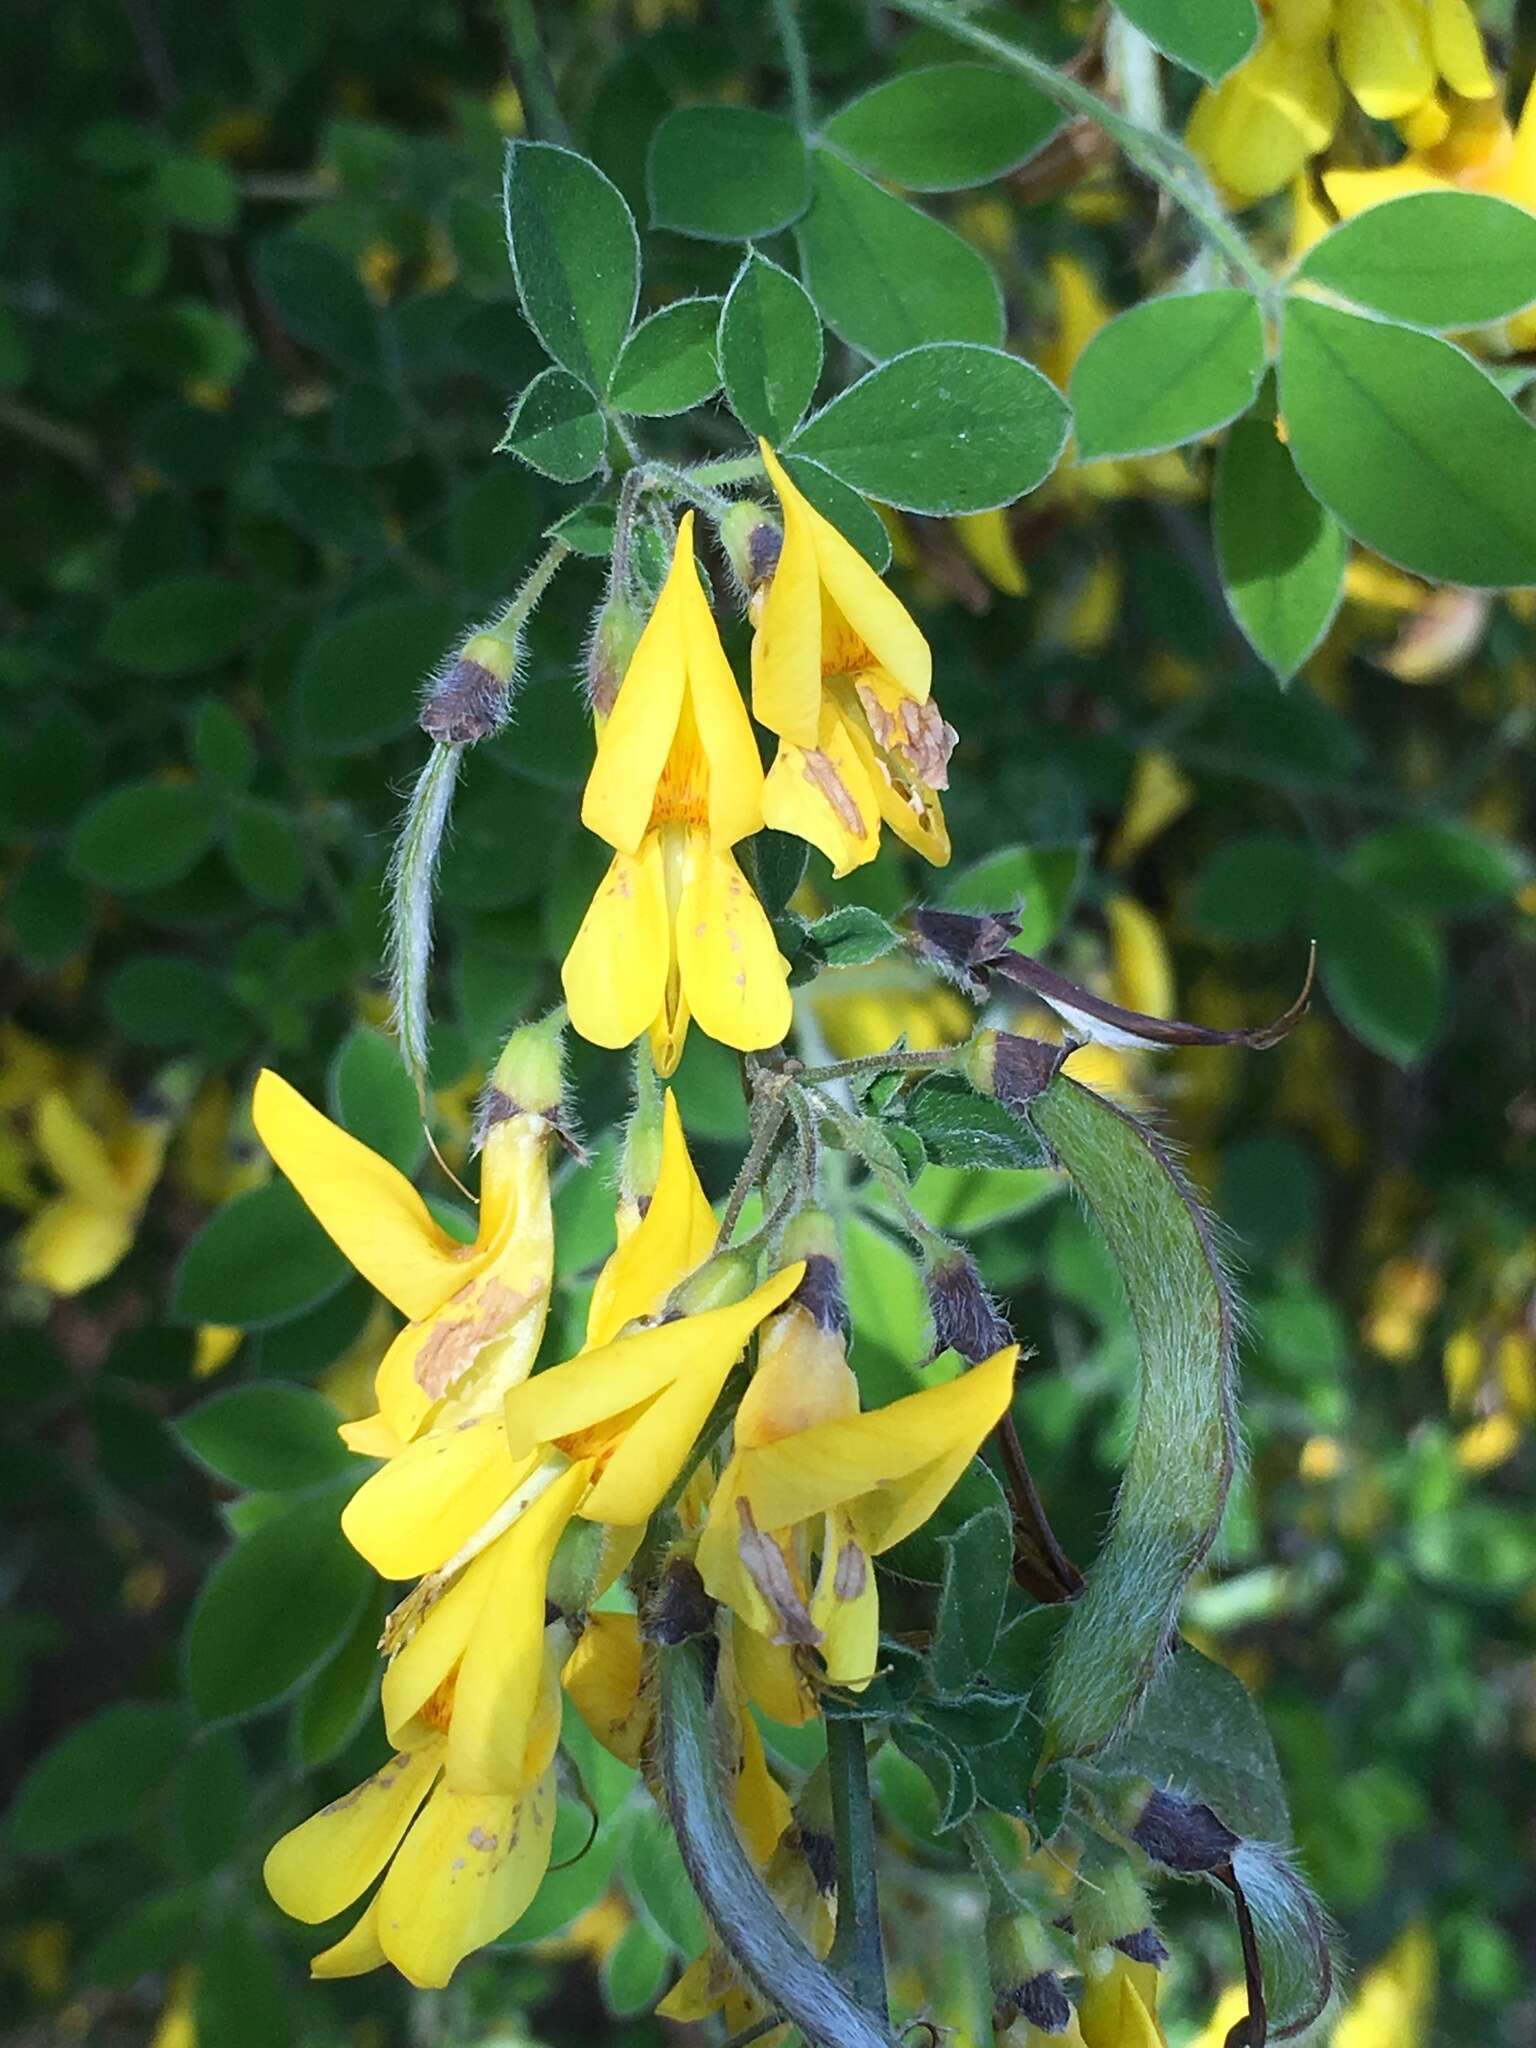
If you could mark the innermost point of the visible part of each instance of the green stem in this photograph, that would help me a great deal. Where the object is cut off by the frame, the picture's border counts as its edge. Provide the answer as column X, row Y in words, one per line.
column 747, row 1921
column 930, row 1242
column 882, row 1063
column 534, row 585
column 729, row 469
column 768, row 1120
column 1165, row 162
column 792, row 43
column 858, row 1954
column 536, row 80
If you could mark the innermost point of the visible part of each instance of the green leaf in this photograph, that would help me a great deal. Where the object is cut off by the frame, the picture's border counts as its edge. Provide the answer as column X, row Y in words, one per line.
column 272, row 1610
column 222, row 746
column 1199, row 1730
column 320, row 300
column 371, row 1096
column 944, row 127
column 337, row 1700
column 143, row 835
column 260, row 1259
column 270, row 1436
column 575, row 256
column 944, row 429
column 960, row 1128
column 1254, row 888
column 149, row 1934
column 588, row 531
column 211, row 1794
column 1410, row 446
column 49, row 910
column 265, row 849
column 164, row 999
column 978, row 1570
column 669, row 362
column 770, row 346
column 854, row 517
column 1185, row 1443
column 853, row 936
column 92, row 1782
column 887, row 277
column 240, row 1995
column 1281, row 554
column 888, row 1309
column 778, row 867
column 556, row 428
column 183, row 624
column 726, row 174
column 1206, row 36
column 361, row 678
column 652, row 1869
column 944, row 1765
column 1431, row 259
column 634, row 1971
column 1439, row 866
column 1167, row 371
column 1381, row 969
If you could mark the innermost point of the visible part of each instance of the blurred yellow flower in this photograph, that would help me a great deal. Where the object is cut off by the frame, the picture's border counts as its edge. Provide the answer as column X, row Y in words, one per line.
column 106, row 1161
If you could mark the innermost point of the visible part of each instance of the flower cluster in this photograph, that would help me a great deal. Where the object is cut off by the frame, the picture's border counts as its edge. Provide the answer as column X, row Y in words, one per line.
column 524, row 1502
column 841, row 674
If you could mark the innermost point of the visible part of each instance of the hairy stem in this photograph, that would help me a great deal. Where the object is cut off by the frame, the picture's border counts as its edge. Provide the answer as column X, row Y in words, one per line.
column 765, row 1949
column 792, row 43
column 858, row 1953
column 1166, row 163
column 535, row 79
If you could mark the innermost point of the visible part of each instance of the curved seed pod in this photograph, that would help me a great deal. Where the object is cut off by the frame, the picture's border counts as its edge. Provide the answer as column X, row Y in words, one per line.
column 766, row 1950
column 1185, row 1446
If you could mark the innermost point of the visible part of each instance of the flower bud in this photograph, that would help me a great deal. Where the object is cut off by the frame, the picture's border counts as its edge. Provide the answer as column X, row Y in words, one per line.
column 728, row 1277
column 1110, row 1907
column 1021, row 1963
column 615, row 635
column 529, row 1077
column 576, row 1568
column 1013, row 1070
column 470, row 699
column 752, row 539
column 1183, row 1835
column 640, row 1160
column 812, row 1235
column 965, row 1317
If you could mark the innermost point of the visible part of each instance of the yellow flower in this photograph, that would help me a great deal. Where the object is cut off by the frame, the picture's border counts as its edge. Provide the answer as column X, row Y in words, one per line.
column 674, row 930
column 1117, row 2007
column 1476, row 151
column 106, row 1164
column 842, row 675
column 1392, row 2007
column 867, row 1009
column 476, row 1311
column 814, row 1490
column 461, row 1866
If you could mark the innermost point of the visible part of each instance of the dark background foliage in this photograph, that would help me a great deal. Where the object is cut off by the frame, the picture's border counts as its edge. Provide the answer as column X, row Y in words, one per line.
column 258, row 337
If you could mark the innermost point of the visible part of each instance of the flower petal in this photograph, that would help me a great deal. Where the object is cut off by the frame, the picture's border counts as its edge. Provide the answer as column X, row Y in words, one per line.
column 364, row 1204
column 734, row 982
column 1383, row 56
column 823, row 795
column 676, row 1233
column 74, row 1154
column 500, row 1680
column 786, row 648
column 603, row 1384
column 724, row 729
column 414, row 1513
column 357, row 1952
column 615, row 975
column 894, row 1465
column 602, row 1679
column 69, row 1245
column 433, row 1649
column 321, row 1866
column 633, row 746
column 462, row 1876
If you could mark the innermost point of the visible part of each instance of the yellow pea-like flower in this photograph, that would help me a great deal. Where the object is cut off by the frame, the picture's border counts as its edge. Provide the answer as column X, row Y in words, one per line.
column 841, row 673
column 675, row 930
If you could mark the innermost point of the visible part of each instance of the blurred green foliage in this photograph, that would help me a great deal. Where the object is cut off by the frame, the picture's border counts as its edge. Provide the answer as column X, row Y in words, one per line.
column 257, row 340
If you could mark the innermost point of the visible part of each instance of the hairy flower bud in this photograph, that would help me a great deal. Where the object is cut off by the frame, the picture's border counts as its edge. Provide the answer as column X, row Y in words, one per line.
column 812, row 1236
column 752, row 539
column 1014, row 1070
column 728, row 1277
column 1021, row 1962
column 470, row 699
column 616, row 633
column 965, row 1317
column 529, row 1076
column 1183, row 1835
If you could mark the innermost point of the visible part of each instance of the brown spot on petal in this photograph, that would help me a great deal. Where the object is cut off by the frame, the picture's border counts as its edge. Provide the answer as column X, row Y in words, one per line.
column 914, row 733
column 821, row 774
column 768, row 1569
column 852, row 1572
column 451, row 1348
column 479, row 1839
